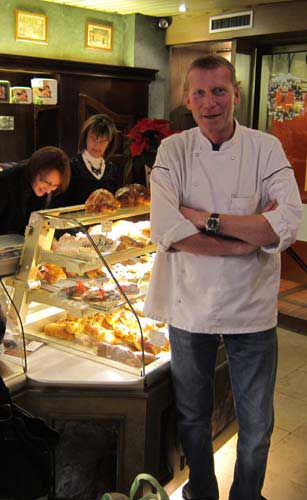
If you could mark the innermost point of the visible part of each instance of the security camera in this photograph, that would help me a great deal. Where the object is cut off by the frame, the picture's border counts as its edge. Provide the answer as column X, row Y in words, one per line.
column 164, row 22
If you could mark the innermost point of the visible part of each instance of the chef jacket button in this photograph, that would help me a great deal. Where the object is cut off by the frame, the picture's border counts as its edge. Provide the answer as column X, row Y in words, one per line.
column 233, row 157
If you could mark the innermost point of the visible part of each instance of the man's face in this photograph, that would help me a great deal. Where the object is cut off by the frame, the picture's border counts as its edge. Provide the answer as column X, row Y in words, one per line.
column 211, row 98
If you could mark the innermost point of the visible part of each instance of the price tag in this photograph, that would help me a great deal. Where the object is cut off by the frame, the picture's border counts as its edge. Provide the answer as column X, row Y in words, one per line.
column 157, row 337
column 33, row 346
column 106, row 226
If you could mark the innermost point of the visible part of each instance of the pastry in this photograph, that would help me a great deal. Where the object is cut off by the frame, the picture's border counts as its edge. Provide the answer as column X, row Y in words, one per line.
column 128, row 242
column 133, row 195
column 52, row 273
column 101, row 201
column 58, row 331
column 107, row 297
column 95, row 273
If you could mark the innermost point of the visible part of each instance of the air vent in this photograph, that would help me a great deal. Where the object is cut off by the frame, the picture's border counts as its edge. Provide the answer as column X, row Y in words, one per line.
column 234, row 21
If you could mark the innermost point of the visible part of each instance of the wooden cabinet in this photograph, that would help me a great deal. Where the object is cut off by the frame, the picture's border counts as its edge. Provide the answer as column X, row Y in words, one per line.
column 124, row 90
column 34, row 127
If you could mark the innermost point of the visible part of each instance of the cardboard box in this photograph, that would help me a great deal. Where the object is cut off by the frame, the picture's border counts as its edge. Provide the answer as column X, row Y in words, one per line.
column 21, row 95
column 45, row 91
column 5, row 91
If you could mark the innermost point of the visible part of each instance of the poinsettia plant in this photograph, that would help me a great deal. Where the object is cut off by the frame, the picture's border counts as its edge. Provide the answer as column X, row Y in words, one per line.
column 143, row 141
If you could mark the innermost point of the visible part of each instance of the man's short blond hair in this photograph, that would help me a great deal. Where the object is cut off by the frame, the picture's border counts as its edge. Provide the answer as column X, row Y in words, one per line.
column 211, row 61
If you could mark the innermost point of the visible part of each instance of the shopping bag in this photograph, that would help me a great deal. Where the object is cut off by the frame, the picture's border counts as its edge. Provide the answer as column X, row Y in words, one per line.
column 154, row 490
column 26, row 443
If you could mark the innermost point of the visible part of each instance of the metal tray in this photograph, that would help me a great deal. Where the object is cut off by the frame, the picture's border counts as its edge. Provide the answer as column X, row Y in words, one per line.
column 10, row 252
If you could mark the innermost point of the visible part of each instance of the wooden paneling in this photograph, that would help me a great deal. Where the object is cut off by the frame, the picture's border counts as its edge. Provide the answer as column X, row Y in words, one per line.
column 17, row 144
column 122, row 89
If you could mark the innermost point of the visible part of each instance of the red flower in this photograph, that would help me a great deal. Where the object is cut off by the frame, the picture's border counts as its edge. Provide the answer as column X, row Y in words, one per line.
column 146, row 136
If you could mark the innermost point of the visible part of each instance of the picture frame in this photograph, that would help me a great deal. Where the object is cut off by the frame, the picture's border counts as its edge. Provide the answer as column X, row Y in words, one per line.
column 99, row 36
column 6, row 123
column 31, row 27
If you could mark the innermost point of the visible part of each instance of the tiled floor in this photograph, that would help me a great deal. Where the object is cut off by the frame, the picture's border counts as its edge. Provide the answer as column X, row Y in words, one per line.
column 286, row 477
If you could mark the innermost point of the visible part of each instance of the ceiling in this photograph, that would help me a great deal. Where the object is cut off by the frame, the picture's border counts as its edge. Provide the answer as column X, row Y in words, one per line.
column 162, row 8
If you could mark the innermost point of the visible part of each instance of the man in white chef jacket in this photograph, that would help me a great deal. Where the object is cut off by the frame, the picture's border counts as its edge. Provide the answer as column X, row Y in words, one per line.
column 225, row 203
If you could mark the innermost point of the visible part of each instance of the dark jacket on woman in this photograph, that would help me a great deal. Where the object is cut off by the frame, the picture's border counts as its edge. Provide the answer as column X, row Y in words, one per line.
column 83, row 183
column 17, row 200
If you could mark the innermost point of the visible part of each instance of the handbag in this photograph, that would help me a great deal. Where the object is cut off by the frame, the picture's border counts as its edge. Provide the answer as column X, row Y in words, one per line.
column 146, row 481
column 26, row 443
column 2, row 324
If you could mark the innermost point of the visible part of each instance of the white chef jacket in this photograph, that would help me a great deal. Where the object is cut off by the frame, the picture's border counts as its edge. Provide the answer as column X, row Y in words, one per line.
column 215, row 294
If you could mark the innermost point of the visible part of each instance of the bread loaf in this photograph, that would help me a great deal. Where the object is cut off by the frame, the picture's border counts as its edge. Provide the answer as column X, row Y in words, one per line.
column 101, row 201
column 133, row 195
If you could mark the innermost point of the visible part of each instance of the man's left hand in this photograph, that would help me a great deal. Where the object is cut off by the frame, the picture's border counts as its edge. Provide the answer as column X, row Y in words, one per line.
column 197, row 217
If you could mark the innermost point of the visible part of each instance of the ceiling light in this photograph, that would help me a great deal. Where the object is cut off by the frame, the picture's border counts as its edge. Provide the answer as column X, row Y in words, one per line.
column 182, row 7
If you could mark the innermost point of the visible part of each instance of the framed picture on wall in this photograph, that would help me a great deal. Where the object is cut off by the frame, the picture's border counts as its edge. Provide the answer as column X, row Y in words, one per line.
column 99, row 36
column 31, row 27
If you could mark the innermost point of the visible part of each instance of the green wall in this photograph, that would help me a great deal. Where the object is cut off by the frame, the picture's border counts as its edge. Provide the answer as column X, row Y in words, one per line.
column 66, row 33
column 150, row 51
column 137, row 41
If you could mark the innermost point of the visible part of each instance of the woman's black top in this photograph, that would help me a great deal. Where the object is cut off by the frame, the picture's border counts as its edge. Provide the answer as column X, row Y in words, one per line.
column 83, row 183
column 17, row 200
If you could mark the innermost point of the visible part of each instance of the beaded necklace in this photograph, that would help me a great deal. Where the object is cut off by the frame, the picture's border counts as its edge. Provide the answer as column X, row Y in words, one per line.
column 97, row 169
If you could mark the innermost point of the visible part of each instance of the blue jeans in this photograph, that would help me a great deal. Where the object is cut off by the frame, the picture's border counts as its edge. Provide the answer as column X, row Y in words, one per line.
column 252, row 359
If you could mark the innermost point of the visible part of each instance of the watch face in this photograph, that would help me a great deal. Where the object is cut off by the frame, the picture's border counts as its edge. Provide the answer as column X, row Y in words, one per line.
column 213, row 223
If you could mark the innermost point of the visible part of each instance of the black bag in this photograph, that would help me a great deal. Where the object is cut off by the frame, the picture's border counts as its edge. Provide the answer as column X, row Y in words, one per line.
column 2, row 324
column 25, row 450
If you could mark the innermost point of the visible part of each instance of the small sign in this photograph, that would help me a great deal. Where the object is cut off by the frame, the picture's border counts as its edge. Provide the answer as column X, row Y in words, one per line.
column 157, row 337
column 6, row 122
column 31, row 27
column 99, row 36
column 106, row 226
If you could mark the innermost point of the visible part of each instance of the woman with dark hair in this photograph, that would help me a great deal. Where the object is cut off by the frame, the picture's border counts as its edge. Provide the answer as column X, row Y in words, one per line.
column 90, row 170
column 29, row 187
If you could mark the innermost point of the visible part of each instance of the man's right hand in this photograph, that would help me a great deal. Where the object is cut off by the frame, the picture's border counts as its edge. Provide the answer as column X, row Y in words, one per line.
column 271, row 205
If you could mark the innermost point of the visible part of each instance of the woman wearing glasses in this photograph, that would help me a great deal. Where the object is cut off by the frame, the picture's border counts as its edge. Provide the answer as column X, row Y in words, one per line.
column 30, row 187
column 90, row 169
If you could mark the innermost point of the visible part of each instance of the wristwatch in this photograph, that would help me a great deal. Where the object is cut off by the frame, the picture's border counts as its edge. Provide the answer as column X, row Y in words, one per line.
column 213, row 223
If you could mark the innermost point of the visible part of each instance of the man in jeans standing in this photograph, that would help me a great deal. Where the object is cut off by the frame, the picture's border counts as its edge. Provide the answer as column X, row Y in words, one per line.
column 225, row 203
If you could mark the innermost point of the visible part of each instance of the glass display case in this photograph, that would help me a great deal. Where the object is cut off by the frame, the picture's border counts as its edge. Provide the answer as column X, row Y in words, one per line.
column 81, row 286
column 12, row 349
column 97, row 370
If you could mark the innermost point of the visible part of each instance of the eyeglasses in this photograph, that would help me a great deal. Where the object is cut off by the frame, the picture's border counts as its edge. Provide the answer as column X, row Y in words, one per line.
column 47, row 183
column 98, row 140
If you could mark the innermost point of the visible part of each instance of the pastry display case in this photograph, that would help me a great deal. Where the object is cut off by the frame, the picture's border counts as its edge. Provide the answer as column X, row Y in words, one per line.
column 81, row 286
column 97, row 370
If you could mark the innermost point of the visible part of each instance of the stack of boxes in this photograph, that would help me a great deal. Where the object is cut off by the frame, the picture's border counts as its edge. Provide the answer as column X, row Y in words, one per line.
column 43, row 91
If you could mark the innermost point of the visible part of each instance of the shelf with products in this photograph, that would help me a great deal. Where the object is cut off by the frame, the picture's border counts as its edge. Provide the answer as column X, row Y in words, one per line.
column 81, row 264
column 94, row 269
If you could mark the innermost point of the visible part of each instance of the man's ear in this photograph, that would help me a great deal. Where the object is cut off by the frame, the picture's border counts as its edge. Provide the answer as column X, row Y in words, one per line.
column 186, row 100
column 237, row 98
